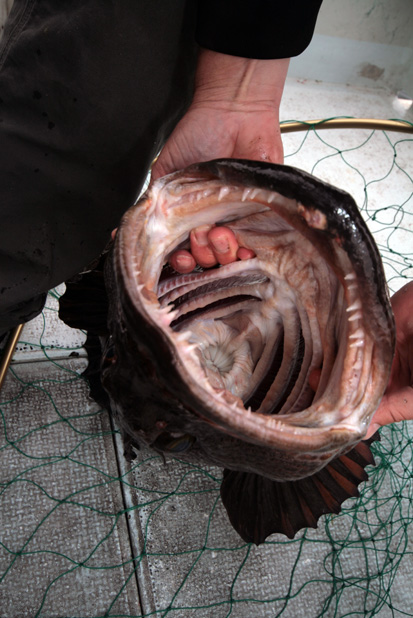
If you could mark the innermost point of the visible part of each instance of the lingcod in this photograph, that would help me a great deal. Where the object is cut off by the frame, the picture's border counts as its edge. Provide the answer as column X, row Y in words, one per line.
column 213, row 367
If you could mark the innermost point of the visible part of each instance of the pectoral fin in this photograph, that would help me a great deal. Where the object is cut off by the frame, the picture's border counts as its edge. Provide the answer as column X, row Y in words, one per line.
column 258, row 507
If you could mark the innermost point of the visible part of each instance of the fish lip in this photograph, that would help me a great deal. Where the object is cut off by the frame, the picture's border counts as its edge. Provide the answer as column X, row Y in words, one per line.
column 281, row 432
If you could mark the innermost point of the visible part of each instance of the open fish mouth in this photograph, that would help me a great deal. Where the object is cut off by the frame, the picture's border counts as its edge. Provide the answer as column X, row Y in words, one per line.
column 245, row 337
column 217, row 366
column 259, row 327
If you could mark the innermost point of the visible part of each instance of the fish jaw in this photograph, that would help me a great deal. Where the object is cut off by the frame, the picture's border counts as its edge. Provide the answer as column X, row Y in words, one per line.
column 328, row 229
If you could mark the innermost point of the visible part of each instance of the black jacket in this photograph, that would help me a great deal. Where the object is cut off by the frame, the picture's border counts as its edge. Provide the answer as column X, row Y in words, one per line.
column 257, row 28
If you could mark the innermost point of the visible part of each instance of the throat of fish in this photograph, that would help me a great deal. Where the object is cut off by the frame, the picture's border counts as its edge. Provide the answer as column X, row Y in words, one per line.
column 254, row 335
column 225, row 356
column 244, row 339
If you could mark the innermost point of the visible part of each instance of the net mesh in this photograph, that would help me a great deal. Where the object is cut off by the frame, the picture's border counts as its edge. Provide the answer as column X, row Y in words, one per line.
column 85, row 534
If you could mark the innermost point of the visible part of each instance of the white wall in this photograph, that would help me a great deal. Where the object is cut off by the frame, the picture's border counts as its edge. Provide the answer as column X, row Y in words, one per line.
column 362, row 43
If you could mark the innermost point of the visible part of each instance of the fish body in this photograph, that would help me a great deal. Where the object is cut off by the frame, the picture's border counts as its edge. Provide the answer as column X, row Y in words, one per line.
column 213, row 366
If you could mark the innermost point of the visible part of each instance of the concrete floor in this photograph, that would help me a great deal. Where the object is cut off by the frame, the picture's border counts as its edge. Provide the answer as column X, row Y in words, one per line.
column 83, row 534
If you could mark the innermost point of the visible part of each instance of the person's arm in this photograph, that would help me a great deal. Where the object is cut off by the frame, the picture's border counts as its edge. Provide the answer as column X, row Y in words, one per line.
column 245, row 46
column 234, row 113
column 241, row 71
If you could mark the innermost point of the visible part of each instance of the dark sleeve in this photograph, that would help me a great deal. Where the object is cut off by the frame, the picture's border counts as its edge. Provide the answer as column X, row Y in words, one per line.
column 257, row 28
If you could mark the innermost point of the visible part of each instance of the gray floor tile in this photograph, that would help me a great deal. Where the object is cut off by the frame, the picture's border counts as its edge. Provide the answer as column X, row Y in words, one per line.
column 65, row 548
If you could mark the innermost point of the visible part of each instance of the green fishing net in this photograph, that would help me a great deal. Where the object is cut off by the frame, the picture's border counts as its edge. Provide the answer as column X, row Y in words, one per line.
column 85, row 534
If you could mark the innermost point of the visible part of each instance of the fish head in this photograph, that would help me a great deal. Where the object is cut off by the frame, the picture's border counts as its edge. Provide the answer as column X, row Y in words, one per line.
column 214, row 366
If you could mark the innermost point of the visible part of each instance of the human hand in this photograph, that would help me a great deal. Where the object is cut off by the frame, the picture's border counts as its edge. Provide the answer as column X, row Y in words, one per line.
column 210, row 245
column 397, row 402
column 206, row 133
column 221, row 129
column 235, row 114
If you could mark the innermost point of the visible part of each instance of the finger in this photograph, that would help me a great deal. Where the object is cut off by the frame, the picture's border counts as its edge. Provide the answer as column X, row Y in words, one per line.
column 200, row 247
column 245, row 254
column 224, row 244
column 182, row 261
column 371, row 430
column 396, row 406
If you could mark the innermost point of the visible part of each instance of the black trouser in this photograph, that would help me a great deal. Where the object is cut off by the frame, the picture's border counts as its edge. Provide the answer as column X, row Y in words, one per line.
column 89, row 90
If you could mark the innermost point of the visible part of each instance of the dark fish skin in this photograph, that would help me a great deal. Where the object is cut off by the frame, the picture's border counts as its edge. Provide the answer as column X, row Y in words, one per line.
column 317, row 274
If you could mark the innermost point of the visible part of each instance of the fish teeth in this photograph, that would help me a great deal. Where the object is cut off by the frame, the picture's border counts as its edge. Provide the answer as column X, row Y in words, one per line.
column 191, row 347
column 172, row 314
column 358, row 334
column 201, row 195
column 356, row 305
column 275, row 424
column 206, row 193
column 350, row 276
column 167, row 310
column 357, row 344
column 356, row 316
column 223, row 192
column 183, row 337
column 205, row 382
column 167, row 315
column 255, row 192
column 220, row 395
column 245, row 194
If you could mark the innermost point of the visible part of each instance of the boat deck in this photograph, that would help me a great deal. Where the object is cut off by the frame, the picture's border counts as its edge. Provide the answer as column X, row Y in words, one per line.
column 85, row 534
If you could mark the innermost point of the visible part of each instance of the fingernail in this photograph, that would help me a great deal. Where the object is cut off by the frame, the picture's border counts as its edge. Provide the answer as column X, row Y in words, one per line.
column 184, row 260
column 201, row 235
column 220, row 245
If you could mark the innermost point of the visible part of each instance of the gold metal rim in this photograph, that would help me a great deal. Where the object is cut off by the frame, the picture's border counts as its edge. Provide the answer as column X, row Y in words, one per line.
column 348, row 123
column 9, row 351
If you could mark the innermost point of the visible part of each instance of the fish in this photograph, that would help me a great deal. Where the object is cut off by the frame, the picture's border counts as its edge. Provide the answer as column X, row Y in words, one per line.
column 214, row 367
